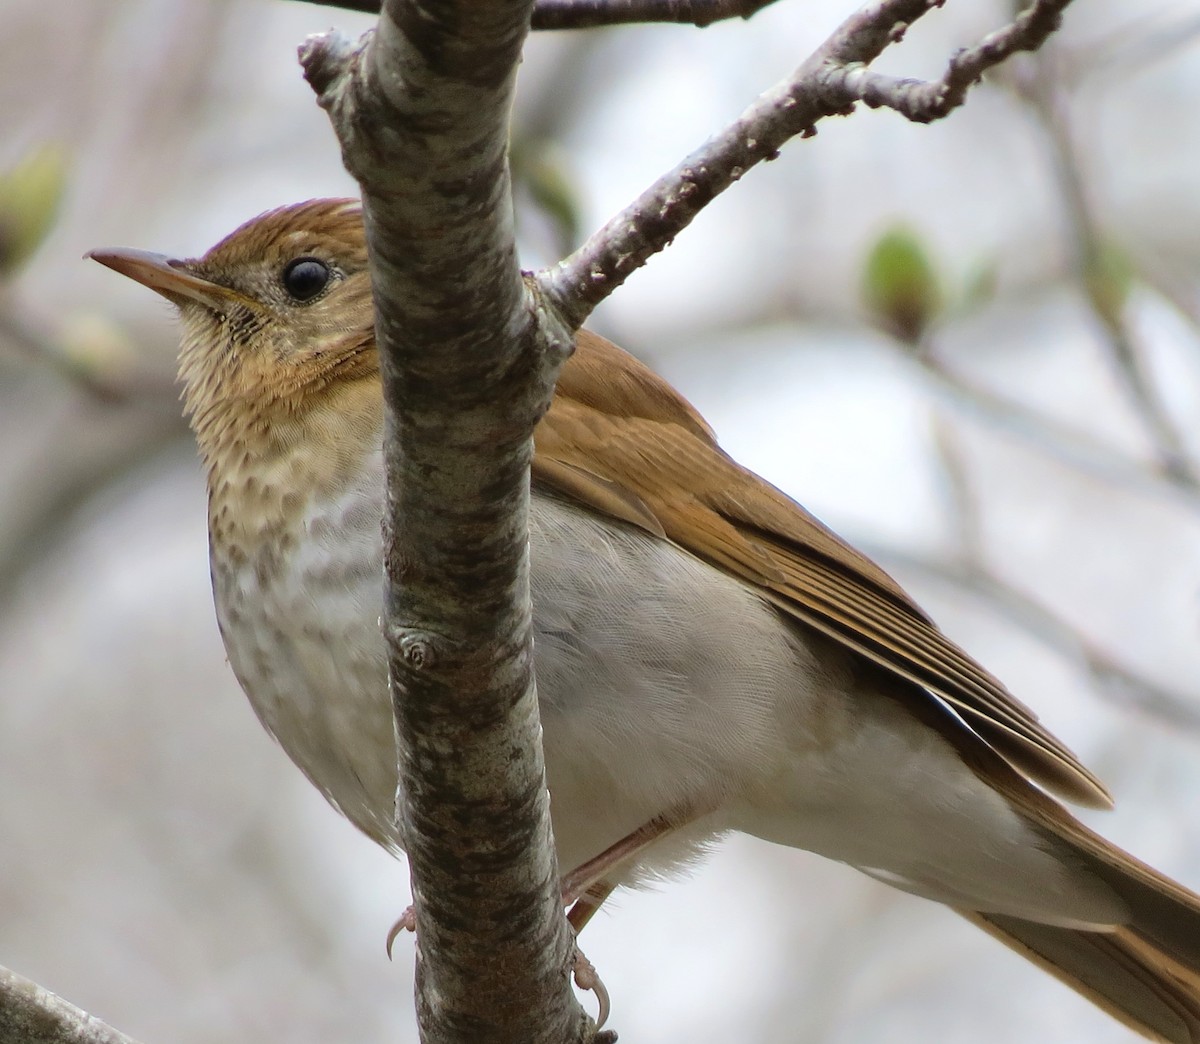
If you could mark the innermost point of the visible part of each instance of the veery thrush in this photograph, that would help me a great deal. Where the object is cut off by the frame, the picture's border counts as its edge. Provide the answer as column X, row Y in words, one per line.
column 701, row 641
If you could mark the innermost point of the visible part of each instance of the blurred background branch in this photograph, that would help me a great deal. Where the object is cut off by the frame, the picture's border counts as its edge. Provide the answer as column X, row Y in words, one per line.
column 1101, row 266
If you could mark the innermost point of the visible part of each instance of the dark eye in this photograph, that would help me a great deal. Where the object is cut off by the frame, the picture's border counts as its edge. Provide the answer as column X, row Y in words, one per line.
column 305, row 277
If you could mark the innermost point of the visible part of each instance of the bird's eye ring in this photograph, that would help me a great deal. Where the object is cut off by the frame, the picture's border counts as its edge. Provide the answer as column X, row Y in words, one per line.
column 305, row 277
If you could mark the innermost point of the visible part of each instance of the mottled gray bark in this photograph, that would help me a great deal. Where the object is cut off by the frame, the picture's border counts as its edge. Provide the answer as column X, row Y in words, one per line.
column 586, row 14
column 31, row 1014
column 421, row 108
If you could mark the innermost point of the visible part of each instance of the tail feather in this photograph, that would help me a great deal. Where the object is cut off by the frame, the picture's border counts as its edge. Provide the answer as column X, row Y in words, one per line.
column 1130, row 977
column 1146, row 971
column 1164, row 916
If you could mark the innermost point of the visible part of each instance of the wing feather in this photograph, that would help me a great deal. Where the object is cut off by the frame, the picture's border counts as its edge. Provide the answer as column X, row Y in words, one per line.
column 621, row 440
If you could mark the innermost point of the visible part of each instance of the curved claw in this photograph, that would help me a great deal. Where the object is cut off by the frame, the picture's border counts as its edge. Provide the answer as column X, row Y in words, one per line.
column 587, row 978
column 406, row 923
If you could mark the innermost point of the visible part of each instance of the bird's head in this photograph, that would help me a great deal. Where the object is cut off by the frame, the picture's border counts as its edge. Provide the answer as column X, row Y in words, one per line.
column 281, row 302
column 277, row 312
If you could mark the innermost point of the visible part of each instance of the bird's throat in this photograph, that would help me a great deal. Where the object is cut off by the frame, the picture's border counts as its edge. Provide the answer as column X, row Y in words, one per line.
column 267, row 462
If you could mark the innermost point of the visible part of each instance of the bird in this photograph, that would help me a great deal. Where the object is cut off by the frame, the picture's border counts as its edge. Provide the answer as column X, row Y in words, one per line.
column 701, row 641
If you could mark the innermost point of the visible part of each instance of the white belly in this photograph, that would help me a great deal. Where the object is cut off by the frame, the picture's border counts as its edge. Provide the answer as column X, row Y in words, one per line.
column 662, row 683
column 667, row 701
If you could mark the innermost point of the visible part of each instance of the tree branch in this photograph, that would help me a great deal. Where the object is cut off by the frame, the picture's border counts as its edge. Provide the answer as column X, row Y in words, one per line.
column 31, row 1014
column 421, row 108
column 588, row 14
column 829, row 83
column 591, row 14
column 924, row 102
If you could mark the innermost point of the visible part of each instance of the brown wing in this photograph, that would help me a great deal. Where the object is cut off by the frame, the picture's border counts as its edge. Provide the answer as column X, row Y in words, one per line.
column 619, row 439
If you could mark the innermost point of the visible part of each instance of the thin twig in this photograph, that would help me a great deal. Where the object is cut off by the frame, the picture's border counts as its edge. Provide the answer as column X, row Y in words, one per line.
column 923, row 102
column 829, row 83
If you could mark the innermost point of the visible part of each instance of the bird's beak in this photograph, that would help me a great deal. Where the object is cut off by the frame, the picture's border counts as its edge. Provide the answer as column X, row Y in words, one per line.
column 166, row 276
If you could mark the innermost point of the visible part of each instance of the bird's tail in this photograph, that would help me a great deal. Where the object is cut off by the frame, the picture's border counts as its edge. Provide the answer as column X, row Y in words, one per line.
column 1144, row 971
column 1127, row 973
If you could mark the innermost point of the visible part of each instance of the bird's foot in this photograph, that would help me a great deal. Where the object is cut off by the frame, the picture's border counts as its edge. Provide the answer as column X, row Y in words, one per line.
column 587, row 978
column 406, row 923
